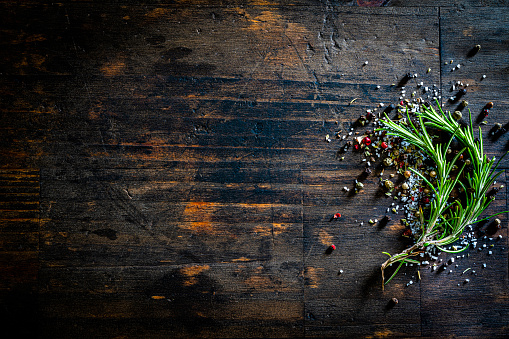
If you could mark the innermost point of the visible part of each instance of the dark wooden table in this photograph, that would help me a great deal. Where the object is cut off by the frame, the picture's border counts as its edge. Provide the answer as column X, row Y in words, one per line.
column 164, row 171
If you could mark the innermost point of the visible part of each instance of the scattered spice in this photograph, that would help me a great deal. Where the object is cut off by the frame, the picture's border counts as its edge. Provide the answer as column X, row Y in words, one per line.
column 430, row 237
column 419, row 199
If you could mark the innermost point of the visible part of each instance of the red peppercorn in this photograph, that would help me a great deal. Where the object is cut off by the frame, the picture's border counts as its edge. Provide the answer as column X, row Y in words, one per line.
column 384, row 145
column 337, row 215
column 330, row 249
column 356, row 147
column 366, row 141
column 413, row 198
column 425, row 200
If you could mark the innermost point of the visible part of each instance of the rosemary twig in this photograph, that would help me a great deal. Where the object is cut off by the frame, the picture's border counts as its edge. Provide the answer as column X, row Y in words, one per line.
column 446, row 221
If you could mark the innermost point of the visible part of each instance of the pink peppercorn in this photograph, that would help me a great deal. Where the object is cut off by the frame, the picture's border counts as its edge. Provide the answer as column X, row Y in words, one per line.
column 384, row 145
column 330, row 249
column 366, row 141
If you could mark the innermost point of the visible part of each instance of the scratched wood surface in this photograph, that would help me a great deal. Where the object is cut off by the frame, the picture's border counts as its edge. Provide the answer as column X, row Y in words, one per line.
column 164, row 170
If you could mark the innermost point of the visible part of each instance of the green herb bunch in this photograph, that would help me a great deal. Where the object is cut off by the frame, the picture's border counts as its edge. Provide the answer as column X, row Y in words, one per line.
column 447, row 219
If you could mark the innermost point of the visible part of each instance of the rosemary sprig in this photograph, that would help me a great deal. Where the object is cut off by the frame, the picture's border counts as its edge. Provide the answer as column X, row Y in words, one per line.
column 446, row 221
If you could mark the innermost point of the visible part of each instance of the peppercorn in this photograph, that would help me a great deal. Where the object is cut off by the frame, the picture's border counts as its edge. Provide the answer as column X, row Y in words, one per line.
column 389, row 108
column 464, row 104
column 359, row 185
column 362, row 120
column 407, row 174
column 387, row 162
column 330, row 249
column 489, row 105
column 366, row 141
column 389, row 185
column 461, row 93
column 425, row 200
column 432, row 174
column 456, row 115
column 491, row 194
column 407, row 233
column 384, row 145
column 501, row 131
column 475, row 50
column 405, row 186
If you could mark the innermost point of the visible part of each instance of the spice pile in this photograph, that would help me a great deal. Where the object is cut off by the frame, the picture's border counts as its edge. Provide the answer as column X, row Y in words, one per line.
column 413, row 175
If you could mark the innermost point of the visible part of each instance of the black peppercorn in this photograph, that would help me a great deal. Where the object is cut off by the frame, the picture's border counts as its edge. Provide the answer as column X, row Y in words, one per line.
column 461, row 93
column 491, row 194
column 389, row 108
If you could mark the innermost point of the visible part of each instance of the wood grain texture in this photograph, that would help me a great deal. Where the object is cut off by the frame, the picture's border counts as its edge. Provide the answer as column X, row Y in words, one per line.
column 165, row 172
column 19, row 249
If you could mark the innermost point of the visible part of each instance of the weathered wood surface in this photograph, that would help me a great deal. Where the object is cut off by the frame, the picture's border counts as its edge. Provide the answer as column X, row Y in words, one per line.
column 164, row 171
